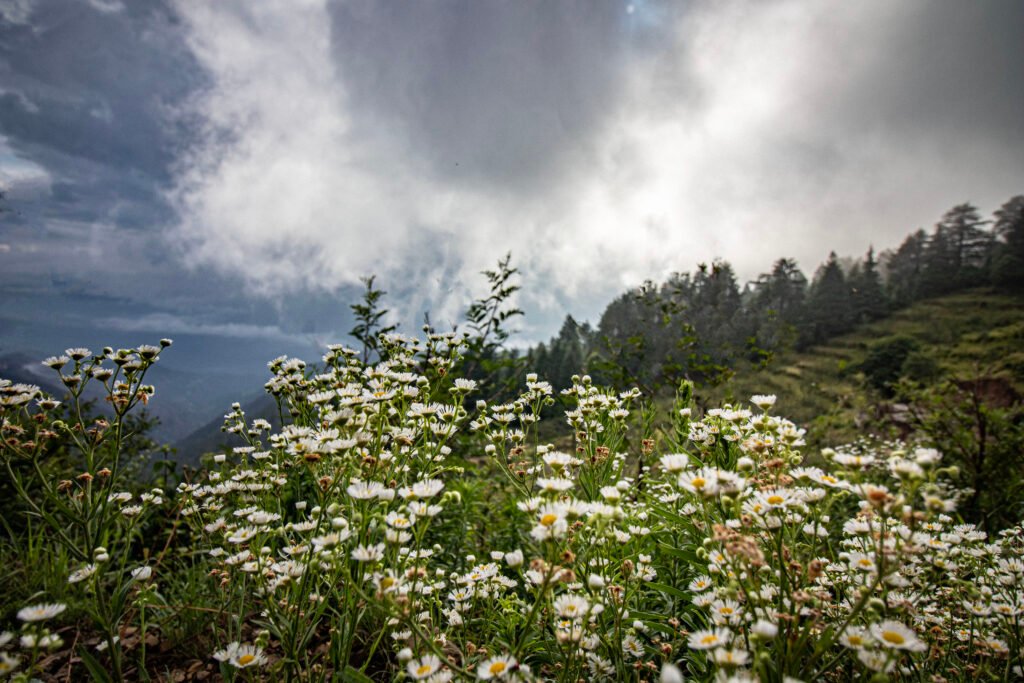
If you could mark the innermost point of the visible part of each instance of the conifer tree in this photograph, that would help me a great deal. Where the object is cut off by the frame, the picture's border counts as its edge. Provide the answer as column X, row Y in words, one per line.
column 1008, row 260
column 866, row 291
column 905, row 269
column 828, row 306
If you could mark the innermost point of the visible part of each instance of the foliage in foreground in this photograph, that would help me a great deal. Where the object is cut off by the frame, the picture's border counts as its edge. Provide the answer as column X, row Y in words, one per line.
column 397, row 529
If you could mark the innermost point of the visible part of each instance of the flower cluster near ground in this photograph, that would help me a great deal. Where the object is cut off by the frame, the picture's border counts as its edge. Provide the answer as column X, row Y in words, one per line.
column 400, row 525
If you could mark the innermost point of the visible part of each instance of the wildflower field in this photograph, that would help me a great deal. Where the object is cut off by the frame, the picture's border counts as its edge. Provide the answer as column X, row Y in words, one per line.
column 401, row 525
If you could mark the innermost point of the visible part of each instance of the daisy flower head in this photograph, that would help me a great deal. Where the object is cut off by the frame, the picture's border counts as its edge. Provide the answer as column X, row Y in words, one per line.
column 571, row 606
column 8, row 663
column 495, row 667
column 423, row 667
column 674, row 463
column 554, row 484
column 371, row 553
column 427, row 488
column 701, row 583
column 703, row 482
column 41, row 612
column 82, row 574
column 764, row 629
column 856, row 638
column 241, row 656
column 876, row 661
column 775, row 499
column 709, row 639
column 897, row 636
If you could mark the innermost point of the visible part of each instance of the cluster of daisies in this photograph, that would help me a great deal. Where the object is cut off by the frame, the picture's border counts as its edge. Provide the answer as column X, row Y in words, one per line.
column 34, row 638
column 851, row 568
column 88, row 511
column 334, row 509
column 709, row 544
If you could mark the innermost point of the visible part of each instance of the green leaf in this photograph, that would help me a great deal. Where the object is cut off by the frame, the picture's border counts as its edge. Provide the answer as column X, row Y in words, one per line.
column 687, row 555
column 669, row 590
column 96, row 670
column 354, row 675
column 667, row 514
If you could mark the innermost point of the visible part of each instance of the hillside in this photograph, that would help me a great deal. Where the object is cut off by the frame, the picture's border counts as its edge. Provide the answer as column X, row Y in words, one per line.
column 209, row 438
column 977, row 333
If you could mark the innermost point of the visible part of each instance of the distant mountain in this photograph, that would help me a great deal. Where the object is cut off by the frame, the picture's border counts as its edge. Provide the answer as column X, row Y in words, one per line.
column 183, row 399
column 210, row 439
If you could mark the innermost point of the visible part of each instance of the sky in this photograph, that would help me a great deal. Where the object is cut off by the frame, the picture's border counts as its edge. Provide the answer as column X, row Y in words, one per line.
column 225, row 172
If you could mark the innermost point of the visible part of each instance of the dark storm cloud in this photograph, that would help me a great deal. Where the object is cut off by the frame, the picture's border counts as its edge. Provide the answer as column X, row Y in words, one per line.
column 504, row 94
column 90, row 97
column 95, row 86
column 950, row 68
column 234, row 156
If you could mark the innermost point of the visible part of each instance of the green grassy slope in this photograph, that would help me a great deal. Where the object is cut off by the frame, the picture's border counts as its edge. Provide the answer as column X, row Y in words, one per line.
column 978, row 333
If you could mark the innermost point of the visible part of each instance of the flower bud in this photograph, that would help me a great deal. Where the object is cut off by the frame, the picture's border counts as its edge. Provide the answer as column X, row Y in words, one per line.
column 514, row 558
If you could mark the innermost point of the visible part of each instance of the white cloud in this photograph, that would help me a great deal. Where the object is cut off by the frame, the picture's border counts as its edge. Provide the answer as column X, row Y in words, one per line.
column 19, row 176
column 17, row 11
column 168, row 324
column 731, row 140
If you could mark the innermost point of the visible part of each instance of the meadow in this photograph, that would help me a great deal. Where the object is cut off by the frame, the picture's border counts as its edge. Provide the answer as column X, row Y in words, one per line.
column 401, row 524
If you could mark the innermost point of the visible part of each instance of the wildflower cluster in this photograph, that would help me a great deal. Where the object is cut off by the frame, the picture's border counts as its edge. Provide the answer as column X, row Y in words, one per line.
column 324, row 528
column 393, row 525
column 89, row 515
column 853, row 570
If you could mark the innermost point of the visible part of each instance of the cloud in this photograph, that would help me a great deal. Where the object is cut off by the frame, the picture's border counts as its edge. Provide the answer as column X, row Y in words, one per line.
column 20, row 176
column 421, row 142
column 166, row 323
column 16, row 11
column 283, row 149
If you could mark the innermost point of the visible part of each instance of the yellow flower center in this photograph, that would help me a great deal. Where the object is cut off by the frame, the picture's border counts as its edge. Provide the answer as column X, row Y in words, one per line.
column 775, row 500
column 548, row 519
column 497, row 667
column 423, row 670
column 856, row 640
column 864, row 562
column 709, row 639
column 698, row 482
column 725, row 610
column 246, row 659
column 893, row 637
column 387, row 582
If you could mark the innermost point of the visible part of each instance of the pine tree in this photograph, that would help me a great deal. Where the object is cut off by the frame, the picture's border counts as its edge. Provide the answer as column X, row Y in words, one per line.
column 905, row 269
column 958, row 252
column 828, row 306
column 867, row 295
column 1008, row 260
column 779, row 305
